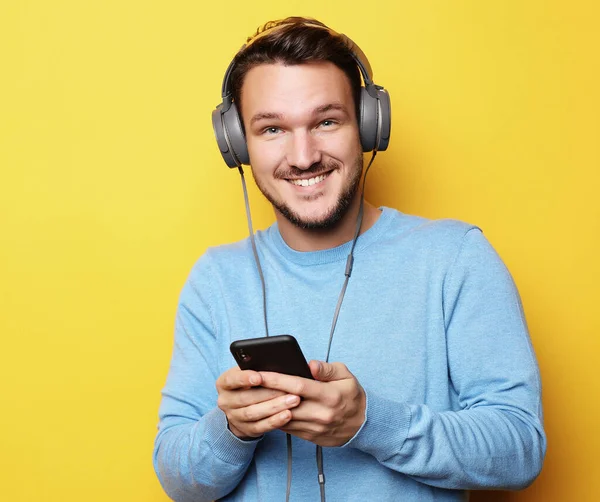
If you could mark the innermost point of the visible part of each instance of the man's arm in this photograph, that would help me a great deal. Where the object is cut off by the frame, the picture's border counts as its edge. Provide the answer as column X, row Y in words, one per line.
column 496, row 439
column 196, row 457
column 209, row 424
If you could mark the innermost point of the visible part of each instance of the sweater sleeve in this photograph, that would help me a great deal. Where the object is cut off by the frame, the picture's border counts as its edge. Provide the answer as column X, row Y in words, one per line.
column 496, row 438
column 196, row 457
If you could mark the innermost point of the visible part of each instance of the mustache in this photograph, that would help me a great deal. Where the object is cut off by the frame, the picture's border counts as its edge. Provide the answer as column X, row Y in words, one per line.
column 316, row 169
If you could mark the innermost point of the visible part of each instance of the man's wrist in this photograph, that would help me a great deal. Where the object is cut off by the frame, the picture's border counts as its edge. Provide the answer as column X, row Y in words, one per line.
column 238, row 433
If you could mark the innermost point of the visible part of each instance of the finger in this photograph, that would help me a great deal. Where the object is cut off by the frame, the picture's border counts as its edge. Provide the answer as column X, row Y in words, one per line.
column 256, row 429
column 229, row 400
column 314, row 436
column 313, row 412
column 264, row 410
column 298, row 427
column 246, row 397
column 329, row 372
column 236, row 378
column 298, row 386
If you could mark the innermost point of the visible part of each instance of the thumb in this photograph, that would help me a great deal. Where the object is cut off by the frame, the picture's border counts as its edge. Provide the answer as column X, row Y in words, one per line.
column 328, row 372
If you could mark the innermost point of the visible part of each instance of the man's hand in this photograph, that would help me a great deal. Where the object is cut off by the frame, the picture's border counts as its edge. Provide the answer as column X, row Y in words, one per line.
column 333, row 406
column 251, row 410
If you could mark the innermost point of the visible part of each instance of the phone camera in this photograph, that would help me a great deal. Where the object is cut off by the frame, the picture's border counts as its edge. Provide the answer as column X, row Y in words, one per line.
column 243, row 356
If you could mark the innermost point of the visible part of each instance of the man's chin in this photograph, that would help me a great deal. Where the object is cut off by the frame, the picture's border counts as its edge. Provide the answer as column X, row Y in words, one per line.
column 325, row 212
column 325, row 219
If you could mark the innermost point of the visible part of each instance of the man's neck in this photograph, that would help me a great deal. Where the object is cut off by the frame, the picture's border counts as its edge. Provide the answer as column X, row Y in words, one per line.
column 301, row 239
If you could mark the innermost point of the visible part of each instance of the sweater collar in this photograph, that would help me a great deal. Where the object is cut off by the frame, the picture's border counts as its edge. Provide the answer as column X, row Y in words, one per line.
column 274, row 238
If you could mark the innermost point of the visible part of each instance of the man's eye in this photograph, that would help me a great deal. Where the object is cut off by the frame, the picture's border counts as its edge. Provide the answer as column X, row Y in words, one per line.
column 327, row 123
column 272, row 130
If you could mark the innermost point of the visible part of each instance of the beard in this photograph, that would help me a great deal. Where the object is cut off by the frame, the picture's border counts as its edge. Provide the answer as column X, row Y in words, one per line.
column 334, row 214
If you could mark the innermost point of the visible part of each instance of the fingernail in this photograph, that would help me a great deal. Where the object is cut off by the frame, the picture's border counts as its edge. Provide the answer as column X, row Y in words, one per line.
column 254, row 380
column 291, row 399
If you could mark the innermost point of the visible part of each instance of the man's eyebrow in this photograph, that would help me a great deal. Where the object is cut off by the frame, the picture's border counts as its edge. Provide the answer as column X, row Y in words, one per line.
column 317, row 111
column 265, row 116
column 329, row 107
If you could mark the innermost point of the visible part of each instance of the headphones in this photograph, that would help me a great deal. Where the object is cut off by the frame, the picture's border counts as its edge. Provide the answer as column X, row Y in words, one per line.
column 374, row 117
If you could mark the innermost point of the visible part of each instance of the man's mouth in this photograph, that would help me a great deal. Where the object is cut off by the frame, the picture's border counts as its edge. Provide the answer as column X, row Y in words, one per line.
column 309, row 181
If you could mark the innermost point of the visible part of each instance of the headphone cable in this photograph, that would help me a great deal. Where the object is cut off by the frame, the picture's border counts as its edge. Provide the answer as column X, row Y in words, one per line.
column 254, row 251
column 347, row 273
column 350, row 259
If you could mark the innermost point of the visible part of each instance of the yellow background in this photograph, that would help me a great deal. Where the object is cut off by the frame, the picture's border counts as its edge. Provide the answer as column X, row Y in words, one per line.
column 111, row 186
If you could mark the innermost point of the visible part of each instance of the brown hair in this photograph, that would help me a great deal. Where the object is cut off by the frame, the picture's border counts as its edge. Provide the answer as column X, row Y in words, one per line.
column 293, row 41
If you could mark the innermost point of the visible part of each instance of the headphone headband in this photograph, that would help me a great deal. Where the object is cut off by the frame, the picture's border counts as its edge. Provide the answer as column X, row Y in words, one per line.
column 355, row 51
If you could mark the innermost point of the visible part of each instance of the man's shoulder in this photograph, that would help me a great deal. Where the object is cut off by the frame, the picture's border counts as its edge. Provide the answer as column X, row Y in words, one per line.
column 432, row 242
column 444, row 229
column 227, row 254
column 223, row 266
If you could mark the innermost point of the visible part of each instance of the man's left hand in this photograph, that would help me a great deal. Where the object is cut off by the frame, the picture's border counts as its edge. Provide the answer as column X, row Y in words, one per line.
column 333, row 406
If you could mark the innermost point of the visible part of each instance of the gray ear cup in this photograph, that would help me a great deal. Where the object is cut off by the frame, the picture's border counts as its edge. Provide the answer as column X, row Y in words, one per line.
column 229, row 133
column 385, row 119
column 374, row 121
column 234, row 130
column 368, row 120
column 217, row 123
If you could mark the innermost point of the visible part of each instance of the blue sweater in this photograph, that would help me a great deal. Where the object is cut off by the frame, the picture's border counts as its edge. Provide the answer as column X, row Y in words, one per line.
column 431, row 325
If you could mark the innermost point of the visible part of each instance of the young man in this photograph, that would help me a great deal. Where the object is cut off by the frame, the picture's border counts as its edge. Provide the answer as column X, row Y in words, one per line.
column 435, row 389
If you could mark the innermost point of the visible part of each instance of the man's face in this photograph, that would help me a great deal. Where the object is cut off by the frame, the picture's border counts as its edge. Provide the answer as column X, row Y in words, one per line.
column 303, row 140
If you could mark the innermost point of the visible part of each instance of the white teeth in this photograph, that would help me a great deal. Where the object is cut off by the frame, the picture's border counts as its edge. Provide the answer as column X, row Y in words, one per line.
column 310, row 181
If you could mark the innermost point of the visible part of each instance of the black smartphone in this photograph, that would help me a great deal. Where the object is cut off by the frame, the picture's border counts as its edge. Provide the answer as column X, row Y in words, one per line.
column 280, row 354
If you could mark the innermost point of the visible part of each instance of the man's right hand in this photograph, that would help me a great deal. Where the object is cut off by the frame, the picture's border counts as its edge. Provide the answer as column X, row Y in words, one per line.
column 251, row 410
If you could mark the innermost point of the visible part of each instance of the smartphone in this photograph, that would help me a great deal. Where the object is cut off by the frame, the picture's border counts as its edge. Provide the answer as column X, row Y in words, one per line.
column 280, row 354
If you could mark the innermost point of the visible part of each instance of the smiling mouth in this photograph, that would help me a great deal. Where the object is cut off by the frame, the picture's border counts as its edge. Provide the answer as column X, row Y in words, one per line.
column 309, row 181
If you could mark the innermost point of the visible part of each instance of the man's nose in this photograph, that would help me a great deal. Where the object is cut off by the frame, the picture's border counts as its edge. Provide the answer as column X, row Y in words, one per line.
column 304, row 150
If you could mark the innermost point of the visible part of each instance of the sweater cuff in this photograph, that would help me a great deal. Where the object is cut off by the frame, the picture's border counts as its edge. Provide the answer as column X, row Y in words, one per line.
column 225, row 444
column 385, row 428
